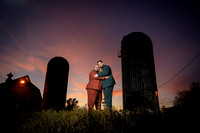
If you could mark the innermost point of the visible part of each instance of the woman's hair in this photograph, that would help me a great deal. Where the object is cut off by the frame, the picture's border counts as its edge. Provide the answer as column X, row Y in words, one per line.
column 94, row 68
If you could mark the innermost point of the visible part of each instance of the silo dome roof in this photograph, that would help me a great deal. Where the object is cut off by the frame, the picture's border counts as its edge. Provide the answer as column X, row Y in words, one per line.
column 135, row 36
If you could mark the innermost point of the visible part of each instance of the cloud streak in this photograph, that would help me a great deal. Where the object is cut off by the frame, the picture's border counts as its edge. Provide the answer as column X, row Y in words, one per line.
column 13, row 37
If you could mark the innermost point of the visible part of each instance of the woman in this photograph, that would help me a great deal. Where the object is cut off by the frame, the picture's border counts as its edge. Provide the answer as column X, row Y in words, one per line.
column 94, row 90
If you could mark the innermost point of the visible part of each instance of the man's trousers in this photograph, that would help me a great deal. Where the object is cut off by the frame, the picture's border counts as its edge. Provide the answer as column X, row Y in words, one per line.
column 108, row 96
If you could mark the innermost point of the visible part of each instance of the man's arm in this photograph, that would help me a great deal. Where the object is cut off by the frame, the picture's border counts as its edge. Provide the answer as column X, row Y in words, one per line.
column 105, row 72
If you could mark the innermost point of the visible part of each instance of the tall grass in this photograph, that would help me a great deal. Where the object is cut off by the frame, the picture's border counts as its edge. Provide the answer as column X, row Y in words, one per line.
column 105, row 121
column 78, row 120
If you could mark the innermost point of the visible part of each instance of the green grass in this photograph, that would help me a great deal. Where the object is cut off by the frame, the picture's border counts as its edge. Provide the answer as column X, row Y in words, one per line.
column 105, row 121
column 78, row 120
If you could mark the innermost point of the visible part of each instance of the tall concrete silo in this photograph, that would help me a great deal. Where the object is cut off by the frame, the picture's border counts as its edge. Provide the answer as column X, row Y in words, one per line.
column 138, row 73
column 55, row 89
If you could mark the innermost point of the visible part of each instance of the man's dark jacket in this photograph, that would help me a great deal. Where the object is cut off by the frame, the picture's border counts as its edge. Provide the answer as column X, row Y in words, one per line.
column 106, row 71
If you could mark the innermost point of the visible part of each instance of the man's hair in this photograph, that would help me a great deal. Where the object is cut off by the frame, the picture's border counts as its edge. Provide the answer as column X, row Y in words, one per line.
column 99, row 61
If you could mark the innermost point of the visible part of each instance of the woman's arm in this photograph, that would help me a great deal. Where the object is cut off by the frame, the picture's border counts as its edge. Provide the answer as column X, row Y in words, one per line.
column 103, row 78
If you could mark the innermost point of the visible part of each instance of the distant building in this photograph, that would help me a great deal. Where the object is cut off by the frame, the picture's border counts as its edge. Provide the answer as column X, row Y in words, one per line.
column 138, row 73
column 19, row 95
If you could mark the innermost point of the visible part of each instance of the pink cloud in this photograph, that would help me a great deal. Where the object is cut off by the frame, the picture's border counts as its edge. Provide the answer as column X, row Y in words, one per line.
column 17, row 61
column 77, row 95
column 77, row 86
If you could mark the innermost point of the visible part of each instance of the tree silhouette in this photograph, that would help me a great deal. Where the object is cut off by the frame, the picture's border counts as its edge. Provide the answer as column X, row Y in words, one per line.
column 189, row 99
column 183, row 116
column 71, row 103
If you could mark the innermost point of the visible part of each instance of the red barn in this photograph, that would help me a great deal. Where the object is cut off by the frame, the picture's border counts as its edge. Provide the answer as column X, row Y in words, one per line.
column 19, row 95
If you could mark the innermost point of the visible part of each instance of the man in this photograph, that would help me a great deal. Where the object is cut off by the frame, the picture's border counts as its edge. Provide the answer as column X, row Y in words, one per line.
column 107, row 84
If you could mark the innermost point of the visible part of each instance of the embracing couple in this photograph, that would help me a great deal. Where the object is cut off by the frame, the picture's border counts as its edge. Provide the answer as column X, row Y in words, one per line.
column 100, row 78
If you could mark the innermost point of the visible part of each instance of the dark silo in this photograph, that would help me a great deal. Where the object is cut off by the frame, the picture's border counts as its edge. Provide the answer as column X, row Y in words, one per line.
column 138, row 73
column 55, row 89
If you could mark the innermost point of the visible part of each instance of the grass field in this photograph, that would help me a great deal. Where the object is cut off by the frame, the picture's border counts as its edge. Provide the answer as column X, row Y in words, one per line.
column 105, row 121
column 78, row 120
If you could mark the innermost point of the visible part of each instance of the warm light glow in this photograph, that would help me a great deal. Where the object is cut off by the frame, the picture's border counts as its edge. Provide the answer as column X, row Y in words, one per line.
column 156, row 93
column 27, row 79
column 22, row 81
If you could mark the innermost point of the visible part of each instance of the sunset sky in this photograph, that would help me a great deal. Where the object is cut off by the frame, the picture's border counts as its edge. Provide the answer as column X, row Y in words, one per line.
column 32, row 32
